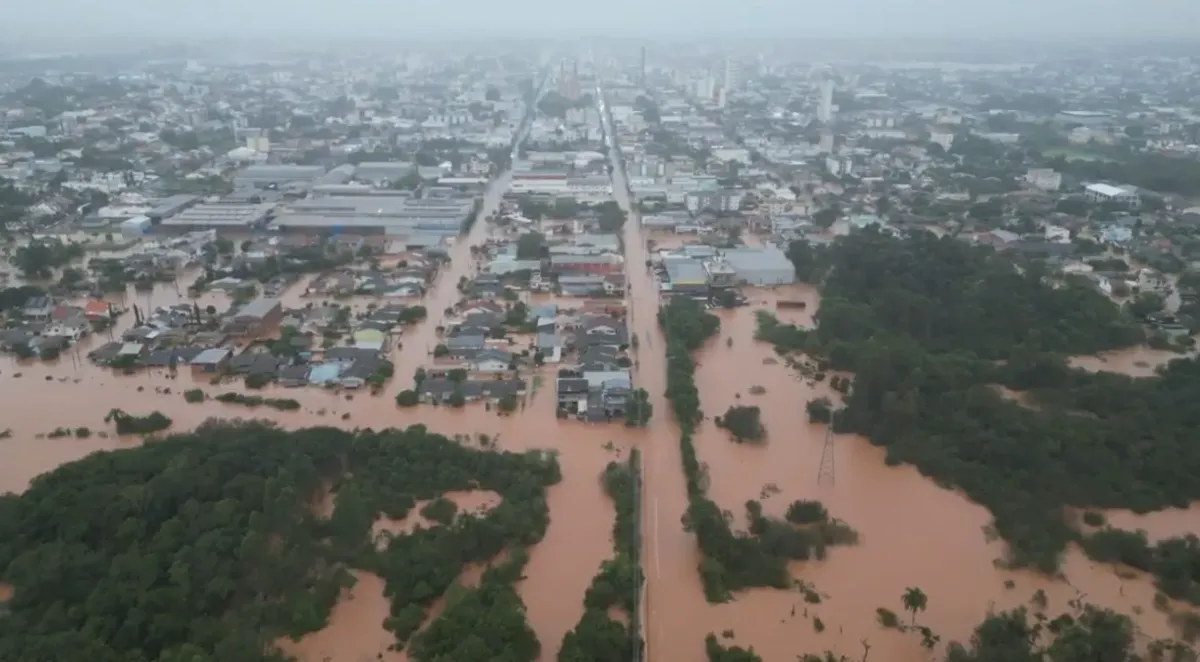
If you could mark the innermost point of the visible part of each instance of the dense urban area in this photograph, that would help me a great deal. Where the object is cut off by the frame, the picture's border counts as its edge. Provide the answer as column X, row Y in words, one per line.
column 599, row 354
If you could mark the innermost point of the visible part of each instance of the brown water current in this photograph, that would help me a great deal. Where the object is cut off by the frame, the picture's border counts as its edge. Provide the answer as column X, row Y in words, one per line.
column 913, row 533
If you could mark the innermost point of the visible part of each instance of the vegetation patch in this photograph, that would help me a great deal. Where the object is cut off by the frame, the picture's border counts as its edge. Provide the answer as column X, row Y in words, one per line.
column 719, row 653
column 282, row 404
column 927, row 324
column 744, row 423
column 1174, row 562
column 213, row 533
column 130, row 424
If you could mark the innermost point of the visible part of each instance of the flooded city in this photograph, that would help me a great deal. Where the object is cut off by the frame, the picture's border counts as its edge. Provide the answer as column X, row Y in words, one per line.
column 508, row 305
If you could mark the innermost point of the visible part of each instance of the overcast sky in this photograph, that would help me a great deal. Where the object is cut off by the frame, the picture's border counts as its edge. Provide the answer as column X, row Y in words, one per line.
column 444, row 19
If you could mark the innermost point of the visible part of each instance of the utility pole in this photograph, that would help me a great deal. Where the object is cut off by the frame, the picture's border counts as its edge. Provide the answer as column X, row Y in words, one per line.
column 825, row 472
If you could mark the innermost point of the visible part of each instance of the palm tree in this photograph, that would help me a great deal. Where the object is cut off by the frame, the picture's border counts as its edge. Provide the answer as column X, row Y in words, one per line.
column 914, row 600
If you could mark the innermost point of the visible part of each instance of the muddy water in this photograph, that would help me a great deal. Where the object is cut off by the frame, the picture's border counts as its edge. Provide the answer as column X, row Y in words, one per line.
column 477, row 502
column 913, row 533
column 1135, row 362
column 355, row 632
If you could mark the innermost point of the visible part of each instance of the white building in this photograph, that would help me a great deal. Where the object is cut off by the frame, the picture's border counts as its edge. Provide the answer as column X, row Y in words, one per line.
column 1126, row 195
column 733, row 75
column 1046, row 179
column 943, row 138
column 825, row 103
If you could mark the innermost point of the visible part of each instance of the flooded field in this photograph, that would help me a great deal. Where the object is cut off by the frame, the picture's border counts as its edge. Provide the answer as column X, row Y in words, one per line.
column 1136, row 362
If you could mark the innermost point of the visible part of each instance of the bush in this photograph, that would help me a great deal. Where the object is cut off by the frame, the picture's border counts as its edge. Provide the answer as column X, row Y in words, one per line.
column 193, row 396
column 440, row 510
column 407, row 398
column 820, row 410
column 282, row 404
column 806, row 512
column 128, row 424
column 887, row 618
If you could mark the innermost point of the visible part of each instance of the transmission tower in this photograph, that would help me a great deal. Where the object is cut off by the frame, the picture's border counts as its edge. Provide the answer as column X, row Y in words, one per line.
column 825, row 470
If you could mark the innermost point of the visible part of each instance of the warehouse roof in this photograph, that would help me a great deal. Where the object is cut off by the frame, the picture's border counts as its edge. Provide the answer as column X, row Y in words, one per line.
column 229, row 215
column 767, row 258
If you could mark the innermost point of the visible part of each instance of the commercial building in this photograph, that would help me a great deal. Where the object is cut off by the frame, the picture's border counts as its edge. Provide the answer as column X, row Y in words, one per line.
column 236, row 217
column 276, row 176
column 377, row 214
column 1047, row 179
column 1126, row 195
column 168, row 207
column 760, row 266
column 686, row 276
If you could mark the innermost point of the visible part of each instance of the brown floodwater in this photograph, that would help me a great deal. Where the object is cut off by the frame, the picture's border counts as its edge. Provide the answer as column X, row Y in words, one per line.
column 913, row 533
column 1135, row 362
column 475, row 502
column 355, row 632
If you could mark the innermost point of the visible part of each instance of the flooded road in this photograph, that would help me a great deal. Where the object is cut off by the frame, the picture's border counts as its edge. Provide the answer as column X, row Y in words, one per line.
column 913, row 533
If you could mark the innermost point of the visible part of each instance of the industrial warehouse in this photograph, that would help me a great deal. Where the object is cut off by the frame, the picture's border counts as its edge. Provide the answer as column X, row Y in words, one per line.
column 310, row 200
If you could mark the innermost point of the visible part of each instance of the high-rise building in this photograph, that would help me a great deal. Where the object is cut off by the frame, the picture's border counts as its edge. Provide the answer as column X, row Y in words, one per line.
column 642, row 74
column 733, row 75
column 825, row 104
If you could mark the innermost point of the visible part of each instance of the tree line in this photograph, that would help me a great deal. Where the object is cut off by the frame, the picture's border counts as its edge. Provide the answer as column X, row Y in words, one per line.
column 930, row 326
column 206, row 546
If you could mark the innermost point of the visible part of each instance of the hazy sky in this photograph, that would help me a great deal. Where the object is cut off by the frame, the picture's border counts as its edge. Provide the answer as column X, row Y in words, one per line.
column 439, row 19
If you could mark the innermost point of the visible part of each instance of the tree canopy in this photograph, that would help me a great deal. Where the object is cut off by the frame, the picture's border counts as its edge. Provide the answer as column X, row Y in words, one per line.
column 930, row 326
column 205, row 547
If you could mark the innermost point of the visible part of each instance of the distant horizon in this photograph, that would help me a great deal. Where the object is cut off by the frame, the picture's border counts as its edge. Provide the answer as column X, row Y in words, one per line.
column 37, row 47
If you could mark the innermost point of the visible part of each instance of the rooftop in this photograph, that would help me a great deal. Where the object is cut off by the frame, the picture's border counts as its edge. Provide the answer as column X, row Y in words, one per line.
column 222, row 214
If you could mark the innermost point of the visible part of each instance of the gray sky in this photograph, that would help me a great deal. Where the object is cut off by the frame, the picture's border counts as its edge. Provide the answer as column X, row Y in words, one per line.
column 447, row 19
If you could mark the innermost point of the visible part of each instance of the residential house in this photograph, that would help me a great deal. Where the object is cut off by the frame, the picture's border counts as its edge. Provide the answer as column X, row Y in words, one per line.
column 68, row 322
column 257, row 317
column 38, row 308
column 464, row 347
column 491, row 361
column 211, row 360
column 580, row 285
column 572, row 394
column 585, row 264
column 601, row 330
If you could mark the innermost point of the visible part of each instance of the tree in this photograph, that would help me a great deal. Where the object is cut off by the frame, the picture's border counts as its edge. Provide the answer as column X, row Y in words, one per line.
column 1145, row 304
column 456, row 399
column 531, row 246
column 638, row 409
column 914, row 600
column 827, row 217
column 820, row 410
column 407, row 398
column 440, row 351
column 743, row 422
